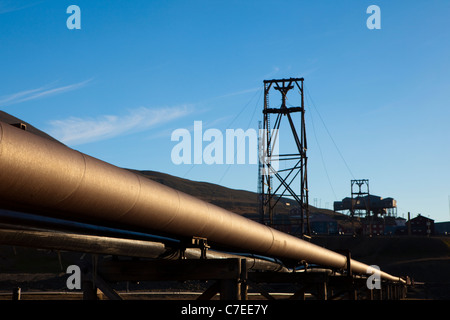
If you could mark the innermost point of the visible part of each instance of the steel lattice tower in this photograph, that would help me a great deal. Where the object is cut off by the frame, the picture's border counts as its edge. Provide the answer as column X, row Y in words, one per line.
column 289, row 180
column 358, row 196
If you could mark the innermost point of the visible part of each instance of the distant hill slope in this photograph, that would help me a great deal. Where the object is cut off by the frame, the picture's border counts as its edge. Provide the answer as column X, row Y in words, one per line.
column 7, row 118
column 238, row 201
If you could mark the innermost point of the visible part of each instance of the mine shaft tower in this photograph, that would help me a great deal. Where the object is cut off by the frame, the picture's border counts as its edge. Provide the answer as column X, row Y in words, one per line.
column 360, row 194
column 283, row 175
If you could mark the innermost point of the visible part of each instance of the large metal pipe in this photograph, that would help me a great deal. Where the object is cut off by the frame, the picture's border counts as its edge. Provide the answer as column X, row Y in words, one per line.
column 87, row 243
column 35, row 222
column 23, row 229
column 40, row 176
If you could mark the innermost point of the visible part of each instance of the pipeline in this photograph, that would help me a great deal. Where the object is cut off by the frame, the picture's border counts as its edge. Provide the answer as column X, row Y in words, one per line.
column 36, row 222
column 86, row 243
column 40, row 176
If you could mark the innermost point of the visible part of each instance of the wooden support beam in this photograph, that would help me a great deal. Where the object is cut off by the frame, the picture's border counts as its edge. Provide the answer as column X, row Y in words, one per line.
column 170, row 270
column 210, row 292
column 243, row 280
column 16, row 293
column 230, row 275
column 308, row 282
column 262, row 291
column 299, row 294
column 230, row 279
column 106, row 288
column 89, row 290
column 322, row 291
column 229, row 289
column 92, row 283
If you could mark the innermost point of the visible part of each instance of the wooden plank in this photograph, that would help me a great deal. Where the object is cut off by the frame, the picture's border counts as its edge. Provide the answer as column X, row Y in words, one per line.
column 107, row 290
column 262, row 291
column 299, row 294
column 210, row 292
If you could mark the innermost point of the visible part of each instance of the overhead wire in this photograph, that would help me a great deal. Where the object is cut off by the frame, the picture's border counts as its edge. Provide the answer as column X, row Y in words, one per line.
column 321, row 155
column 248, row 126
column 329, row 134
column 229, row 125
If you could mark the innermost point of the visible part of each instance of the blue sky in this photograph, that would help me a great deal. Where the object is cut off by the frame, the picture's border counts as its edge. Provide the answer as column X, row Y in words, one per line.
column 377, row 100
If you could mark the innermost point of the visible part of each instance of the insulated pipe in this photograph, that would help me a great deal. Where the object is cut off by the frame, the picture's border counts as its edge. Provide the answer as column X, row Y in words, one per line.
column 38, row 175
column 55, row 240
column 22, row 229
column 35, row 222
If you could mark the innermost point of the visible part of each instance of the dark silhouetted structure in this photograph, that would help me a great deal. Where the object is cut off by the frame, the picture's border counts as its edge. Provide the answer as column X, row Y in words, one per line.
column 290, row 179
column 421, row 226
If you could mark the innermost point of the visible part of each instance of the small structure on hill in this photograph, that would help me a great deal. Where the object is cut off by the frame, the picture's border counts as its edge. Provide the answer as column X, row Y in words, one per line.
column 421, row 226
column 369, row 209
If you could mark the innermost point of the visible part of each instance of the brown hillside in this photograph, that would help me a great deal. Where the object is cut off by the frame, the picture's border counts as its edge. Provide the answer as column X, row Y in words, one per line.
column 7, row 118
column 239, row 201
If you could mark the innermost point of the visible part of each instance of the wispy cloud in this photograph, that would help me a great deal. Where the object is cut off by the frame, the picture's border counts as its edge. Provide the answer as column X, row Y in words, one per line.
column 45, row 91
column 77, row 131
column 11, row 6
column 239, row 92
column 272, row 73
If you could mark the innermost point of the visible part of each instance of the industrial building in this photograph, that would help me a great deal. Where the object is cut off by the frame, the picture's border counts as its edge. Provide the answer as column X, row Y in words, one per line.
column 394, row 226
column 442, row 228
column 421, row 226
column 376, row 214
column 377, row 205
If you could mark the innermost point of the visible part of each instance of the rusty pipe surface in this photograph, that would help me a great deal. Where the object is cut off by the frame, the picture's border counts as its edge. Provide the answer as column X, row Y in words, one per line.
column 41, row 176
